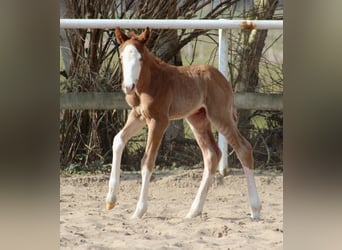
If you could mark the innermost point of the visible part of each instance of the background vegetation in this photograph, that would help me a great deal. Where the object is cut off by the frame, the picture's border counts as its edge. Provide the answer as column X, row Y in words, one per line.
column 89, row 64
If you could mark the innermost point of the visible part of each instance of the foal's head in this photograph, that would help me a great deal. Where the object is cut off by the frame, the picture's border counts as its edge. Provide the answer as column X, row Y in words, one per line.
column 131, row 55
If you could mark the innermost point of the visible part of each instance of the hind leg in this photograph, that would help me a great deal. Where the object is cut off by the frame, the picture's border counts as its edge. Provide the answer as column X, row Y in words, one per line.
column 243, row 149
column 201, row 128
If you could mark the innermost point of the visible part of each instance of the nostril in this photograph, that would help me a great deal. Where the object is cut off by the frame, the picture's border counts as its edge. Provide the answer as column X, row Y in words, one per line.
column 129, row 89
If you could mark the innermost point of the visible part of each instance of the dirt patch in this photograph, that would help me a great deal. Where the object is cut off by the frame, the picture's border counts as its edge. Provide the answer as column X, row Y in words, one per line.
column 224, row 224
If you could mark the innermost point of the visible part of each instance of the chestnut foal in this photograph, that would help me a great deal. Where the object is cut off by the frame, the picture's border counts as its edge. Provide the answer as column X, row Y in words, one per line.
column 159, row 92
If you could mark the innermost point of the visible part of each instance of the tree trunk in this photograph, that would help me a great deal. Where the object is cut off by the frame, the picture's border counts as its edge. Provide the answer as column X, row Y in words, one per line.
column 254, row 41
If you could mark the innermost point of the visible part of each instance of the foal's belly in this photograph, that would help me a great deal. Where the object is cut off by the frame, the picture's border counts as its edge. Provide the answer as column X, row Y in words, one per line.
column 176, row 114
column 186, row 102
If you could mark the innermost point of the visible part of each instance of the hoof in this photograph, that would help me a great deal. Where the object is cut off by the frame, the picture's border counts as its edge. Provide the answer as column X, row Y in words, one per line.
column 110, row 205
column 139, row 212
column 255, row 216
column 135, row 217
column 255, row 213
column 193, row 214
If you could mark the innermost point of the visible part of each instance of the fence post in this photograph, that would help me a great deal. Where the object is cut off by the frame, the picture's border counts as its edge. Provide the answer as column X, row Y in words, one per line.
column 223, row 67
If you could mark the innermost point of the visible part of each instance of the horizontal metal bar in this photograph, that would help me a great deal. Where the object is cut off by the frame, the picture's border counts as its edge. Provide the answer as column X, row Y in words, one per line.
column 116, row 100
column 169, row 24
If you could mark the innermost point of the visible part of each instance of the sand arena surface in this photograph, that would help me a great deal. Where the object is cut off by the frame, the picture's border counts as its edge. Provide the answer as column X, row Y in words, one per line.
column 224, row 224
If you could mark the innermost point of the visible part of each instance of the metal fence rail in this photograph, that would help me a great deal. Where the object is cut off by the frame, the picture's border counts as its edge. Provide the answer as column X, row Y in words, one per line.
column 169, row 24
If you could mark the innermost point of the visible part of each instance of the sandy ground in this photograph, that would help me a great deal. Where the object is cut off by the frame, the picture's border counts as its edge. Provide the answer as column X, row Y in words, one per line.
column 224, row 224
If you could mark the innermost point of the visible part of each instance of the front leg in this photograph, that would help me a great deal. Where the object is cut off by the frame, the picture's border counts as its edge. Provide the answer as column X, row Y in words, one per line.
column 134, row 123
column 156, row 130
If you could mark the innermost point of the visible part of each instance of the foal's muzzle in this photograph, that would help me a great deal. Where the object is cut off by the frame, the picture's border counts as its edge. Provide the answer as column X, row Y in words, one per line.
column 128, row 90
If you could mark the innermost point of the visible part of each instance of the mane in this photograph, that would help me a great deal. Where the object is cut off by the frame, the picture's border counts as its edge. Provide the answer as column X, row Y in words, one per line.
column 155, row 58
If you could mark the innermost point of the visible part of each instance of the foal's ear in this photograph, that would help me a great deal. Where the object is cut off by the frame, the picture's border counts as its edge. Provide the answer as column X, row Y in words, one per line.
column 143, row 37
column 120, row 36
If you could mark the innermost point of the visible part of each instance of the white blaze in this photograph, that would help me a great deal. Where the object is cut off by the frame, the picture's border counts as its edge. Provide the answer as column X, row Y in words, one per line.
column 130, row 58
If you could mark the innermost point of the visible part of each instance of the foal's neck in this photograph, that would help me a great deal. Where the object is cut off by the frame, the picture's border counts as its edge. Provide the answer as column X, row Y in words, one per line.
column 153, row 68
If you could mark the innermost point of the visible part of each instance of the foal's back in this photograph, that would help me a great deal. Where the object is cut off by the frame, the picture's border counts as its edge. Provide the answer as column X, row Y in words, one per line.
column 197, row 86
